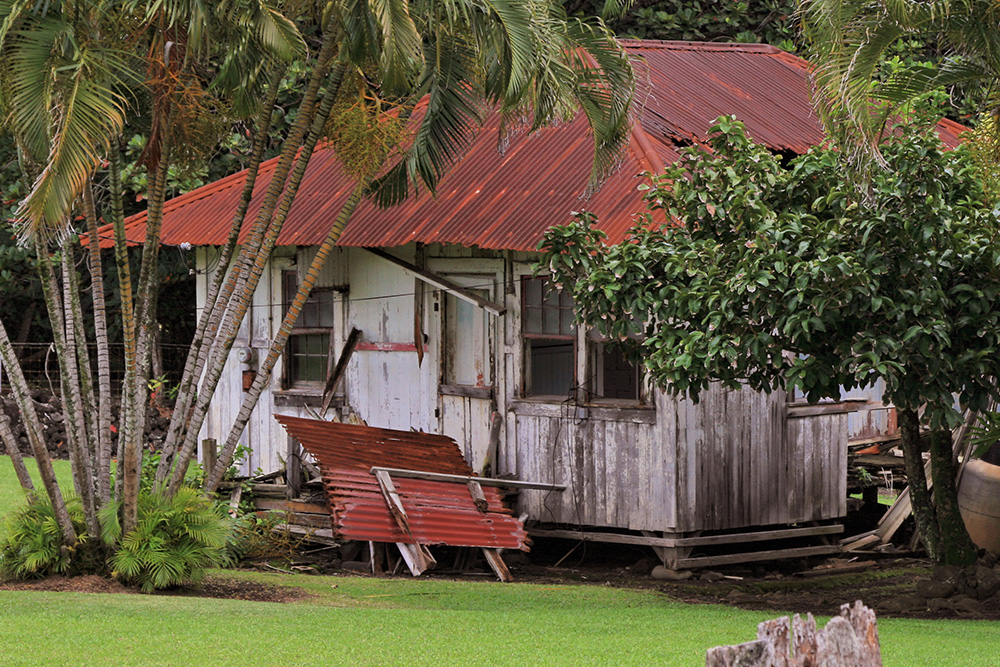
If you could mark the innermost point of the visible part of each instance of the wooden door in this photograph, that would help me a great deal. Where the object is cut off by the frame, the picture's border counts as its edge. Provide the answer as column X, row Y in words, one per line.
column 466, row 390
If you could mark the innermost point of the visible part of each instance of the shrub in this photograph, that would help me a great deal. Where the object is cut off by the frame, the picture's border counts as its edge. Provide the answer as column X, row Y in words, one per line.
column 175, row 540
column 31, row 544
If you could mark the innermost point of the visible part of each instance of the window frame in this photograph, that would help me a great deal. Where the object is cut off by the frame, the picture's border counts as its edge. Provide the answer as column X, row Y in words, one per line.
column 289, row 285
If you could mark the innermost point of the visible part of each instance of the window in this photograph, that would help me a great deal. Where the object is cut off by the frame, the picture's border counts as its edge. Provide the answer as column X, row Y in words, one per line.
column 550, row 351
column 549, row 339
column 613, row 376
column 308, row 354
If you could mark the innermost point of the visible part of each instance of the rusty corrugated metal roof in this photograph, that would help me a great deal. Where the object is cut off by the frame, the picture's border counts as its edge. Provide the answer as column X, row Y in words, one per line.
column 506, row 200
column 438, row 512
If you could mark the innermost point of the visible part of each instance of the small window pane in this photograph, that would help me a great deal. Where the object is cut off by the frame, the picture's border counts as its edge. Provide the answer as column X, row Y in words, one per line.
column 551, row 364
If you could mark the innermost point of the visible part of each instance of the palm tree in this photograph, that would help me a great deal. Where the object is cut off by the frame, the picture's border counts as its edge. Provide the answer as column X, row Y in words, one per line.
column 464, row 58
column 850, row 40
column 74, row 62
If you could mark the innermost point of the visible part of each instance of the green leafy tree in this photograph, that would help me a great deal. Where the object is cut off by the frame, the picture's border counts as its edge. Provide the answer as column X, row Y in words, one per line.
column 776, row 277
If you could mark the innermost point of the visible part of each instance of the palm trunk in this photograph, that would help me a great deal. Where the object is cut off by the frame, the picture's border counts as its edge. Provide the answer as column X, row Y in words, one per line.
column 88, row 400
column 920, row 496
column 201, row 340
column 186, row 423
column 956, row 545
column 123, row 266
column 33, row 427
column 63, row 335
column 280, row 339
column 145, row 320
column 255, row 254
column 102, row 436
column 13, row 450
column 74, row 383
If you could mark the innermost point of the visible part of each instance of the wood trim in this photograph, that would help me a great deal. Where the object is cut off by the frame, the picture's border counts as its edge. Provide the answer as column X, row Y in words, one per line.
column 293, row 399
column 753, row 556
column 613, row 538
column 465, row 479
column 440, row 282
column 670, row 542
column 465, row 390
column 798, row 411
column 373, row 346
column 555, row 410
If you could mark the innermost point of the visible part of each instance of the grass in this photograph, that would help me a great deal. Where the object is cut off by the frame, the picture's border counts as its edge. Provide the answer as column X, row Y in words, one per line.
column 11, row 494
column 365, row 621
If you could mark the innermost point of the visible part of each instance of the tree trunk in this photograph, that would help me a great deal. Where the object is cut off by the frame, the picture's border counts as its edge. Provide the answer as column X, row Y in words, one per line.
column 123, row 266
column 102, row 436
column 33, row 427
column 280, row 339
column 178, row 434
column 255, row 254
column 144, row 320
column 188, row 383
column 920, row 497
column 13, row 450
column 65, row 338
column 956, row 545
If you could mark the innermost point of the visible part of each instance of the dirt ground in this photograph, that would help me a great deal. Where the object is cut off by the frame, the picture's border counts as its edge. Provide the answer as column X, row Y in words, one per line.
column 798, row 586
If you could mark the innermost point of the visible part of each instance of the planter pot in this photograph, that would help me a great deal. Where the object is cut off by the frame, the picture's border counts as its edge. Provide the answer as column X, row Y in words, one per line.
column 979, row 502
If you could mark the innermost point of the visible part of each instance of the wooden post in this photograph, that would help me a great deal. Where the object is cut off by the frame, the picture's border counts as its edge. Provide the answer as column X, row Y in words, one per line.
column 293, row 468
column 209, row 454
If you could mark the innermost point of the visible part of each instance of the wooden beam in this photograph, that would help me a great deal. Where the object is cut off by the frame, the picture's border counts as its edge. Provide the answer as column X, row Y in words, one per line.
column 669, row 542
column 483, row 481
column 441, row 283
column 418, row 558
column 794, row 412
column 341, row 368
column 753, row 556
column 478, row 497
column 614, row 538
column 496, row 562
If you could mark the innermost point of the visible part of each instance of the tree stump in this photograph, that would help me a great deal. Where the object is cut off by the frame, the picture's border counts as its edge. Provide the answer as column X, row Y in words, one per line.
column 848, row 640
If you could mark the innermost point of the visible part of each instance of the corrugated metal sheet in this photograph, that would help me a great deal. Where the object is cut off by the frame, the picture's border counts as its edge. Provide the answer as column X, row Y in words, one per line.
column 506, row 200
column 438, row 512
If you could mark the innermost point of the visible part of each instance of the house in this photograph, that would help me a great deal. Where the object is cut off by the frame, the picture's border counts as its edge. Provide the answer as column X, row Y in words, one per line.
column 460, row 337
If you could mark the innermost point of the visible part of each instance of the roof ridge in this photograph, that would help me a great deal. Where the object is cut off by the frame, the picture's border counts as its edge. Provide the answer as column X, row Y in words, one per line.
column 680, row 45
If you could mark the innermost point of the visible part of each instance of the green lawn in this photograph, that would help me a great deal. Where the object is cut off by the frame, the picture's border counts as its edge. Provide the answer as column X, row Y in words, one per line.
column 10, row 490
column 365, row 621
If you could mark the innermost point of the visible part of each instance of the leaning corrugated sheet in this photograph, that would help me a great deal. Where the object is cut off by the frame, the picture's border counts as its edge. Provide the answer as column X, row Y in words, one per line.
column 507, row 199
column 438, row 512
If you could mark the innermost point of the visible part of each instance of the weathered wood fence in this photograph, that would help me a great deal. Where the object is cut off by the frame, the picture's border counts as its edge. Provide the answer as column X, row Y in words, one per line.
column 848, row 640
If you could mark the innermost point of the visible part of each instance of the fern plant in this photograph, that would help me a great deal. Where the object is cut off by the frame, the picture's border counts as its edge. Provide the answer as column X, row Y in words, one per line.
column 173, row 543
column 31, row 543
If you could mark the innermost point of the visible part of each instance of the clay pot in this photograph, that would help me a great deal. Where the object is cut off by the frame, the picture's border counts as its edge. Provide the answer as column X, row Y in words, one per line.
column 979, row 502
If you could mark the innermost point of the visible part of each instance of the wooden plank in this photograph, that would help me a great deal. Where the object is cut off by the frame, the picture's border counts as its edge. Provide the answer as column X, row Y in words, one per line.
column 760, row 536
column 754, row 556
column 465, row 390
column 291, row 505
column 341, row 368
column 420, row 557
column 323, row 536
column 862, row 543
column 496, row 562
column 484, row 481
column 613, row 538
column 797, row 411
column 440, row 282
column 478, row 497
column 209, row 452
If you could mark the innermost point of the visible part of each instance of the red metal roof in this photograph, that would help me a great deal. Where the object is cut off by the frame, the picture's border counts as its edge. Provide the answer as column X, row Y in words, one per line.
column 506, row 200
column 437, row 512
